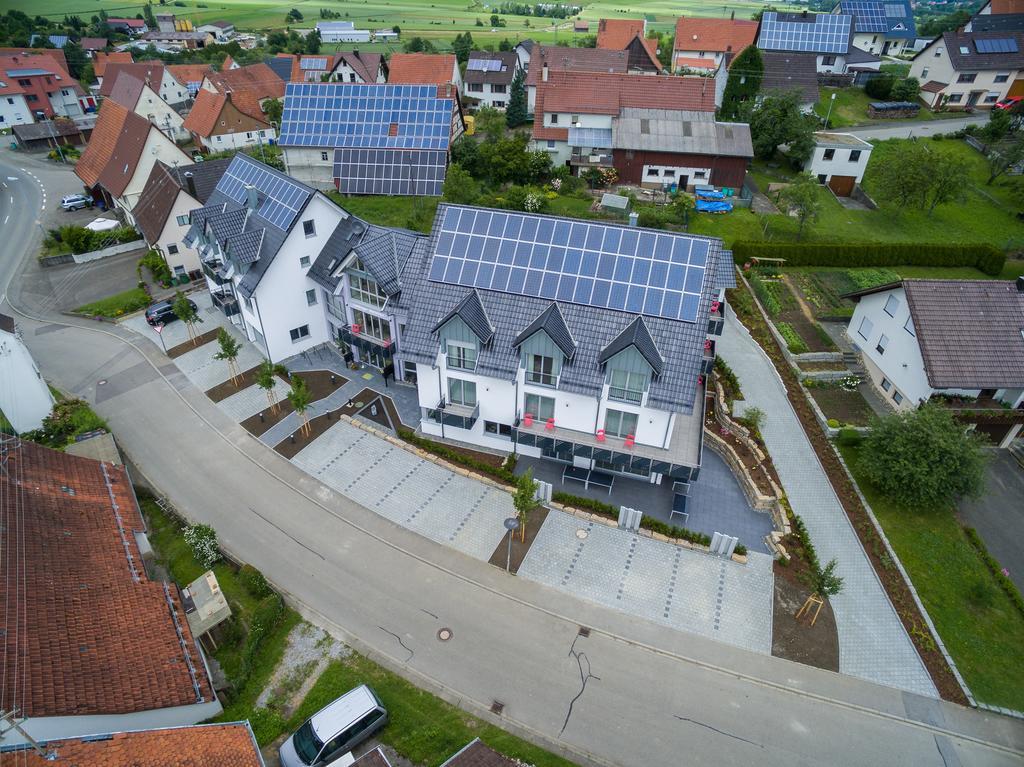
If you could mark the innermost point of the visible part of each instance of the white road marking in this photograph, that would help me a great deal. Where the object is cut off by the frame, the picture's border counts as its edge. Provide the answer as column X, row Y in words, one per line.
column 6, row 217
column 11, row 178
column 12, row 199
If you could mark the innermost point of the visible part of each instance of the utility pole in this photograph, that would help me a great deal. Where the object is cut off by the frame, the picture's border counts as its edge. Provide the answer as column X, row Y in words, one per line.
column 9, row 718
column 56, row 143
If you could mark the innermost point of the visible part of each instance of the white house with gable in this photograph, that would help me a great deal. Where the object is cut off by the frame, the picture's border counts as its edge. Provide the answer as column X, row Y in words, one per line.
column 25, row 399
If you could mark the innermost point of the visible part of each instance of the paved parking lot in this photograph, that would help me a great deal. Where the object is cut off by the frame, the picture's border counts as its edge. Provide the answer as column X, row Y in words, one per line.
column 681, row 588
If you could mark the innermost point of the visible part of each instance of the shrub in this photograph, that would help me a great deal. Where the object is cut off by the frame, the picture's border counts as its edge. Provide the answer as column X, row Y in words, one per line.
column 202, row 540
column 453, row 456
column 82, row 240
column 254, row 582
column 880, row 86
column 849, row 437
column 727, row 375
column 793, row 340
column 588, row 504
column 607, row 510
column 832, row 423
column 68, row 419
column 740, row 549
column 766, row 295
column 982, row 256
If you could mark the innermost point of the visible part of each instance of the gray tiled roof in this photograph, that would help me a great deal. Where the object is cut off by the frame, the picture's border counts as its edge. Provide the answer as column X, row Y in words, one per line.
column 245, row 247
column 205, row 176
column 638, row 336
column 383, row 252
column 672, row 130
column 551, row 322
column 971, row 332
column 346, row 235
column 970, row 59
column 227, row 224
column 280, row 66
column 790, row 71
column 681, row 344
column 471, row 311
column 998, row 22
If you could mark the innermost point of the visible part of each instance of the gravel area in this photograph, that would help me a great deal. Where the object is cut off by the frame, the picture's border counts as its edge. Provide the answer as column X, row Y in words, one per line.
column 309, row 651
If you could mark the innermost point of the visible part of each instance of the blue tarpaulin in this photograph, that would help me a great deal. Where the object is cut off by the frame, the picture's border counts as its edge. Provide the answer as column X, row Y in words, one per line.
column 713, row 206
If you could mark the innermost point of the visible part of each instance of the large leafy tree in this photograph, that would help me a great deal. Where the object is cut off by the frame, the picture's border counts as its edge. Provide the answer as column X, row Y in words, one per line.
column 460, row 187
column 745, row 76
column 778, row 120
column 516, row 111
column 803, row 200
column 461, row 46
column 76, row 58
column 924, row 458
column 490, row 123
column 913, row 174
column 1004, row 155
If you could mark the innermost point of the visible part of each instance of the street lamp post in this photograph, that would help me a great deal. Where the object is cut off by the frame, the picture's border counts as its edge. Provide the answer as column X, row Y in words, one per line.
column 511, row 525
column 829, row 114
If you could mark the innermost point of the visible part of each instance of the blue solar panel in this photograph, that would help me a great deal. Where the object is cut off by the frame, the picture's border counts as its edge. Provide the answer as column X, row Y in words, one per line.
column 390, row 171
column 611, row 267
column 815, row 33
column 997, row 45
column 878, row 16
column 384, row 116
column 280, row 197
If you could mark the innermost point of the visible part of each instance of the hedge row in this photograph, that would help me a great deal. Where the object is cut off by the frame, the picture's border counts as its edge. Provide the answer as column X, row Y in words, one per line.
column 501, row 473
column 997, row 570
column 654, row 525
column 984, row 257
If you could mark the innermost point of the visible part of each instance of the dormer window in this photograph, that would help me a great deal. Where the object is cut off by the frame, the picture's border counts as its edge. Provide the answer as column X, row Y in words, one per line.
column 626, row 385
column 541, row 369
column 461, row 355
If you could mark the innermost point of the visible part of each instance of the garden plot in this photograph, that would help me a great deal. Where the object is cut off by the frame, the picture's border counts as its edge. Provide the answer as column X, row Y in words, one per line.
column 792, row 316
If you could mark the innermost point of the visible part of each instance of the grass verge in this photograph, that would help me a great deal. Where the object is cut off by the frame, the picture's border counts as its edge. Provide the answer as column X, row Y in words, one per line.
column 977, row 621
column 422, row 728
column 117, row 305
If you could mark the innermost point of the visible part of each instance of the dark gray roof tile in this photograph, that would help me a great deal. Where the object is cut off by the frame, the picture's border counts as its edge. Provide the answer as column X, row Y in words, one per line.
column 637, row 335
column 471, row 311
column 551, row 322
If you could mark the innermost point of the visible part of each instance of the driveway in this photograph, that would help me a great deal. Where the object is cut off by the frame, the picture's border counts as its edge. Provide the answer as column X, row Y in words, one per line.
column 919, row 128
column 998, row 515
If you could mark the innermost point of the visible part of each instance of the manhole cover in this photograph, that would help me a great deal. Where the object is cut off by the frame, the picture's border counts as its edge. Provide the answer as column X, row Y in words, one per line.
column 444, row 634
column 101, row 383
column 581, row 533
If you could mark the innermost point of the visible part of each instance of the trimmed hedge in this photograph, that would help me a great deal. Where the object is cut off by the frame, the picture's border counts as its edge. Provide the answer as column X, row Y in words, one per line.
column 502, row 473
column 997, row 570
column 984, row 257
column 607, row 510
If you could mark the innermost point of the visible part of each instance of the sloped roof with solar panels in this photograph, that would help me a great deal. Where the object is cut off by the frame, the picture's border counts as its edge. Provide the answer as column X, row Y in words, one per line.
column 892, row 18
column 600, row 276
column 825, row 33
column 485, row 67
column 984, row 50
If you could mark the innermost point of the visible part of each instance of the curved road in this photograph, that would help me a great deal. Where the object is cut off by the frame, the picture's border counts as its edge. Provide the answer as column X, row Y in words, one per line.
column 630, row 693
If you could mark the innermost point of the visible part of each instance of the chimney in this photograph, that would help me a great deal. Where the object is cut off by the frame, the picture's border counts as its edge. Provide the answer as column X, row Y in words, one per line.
column 544, row 72
column 355, row 52
column 633, row 218
column 732, row 16
column 1020, row 284
column 251, row 201
column 190, row 183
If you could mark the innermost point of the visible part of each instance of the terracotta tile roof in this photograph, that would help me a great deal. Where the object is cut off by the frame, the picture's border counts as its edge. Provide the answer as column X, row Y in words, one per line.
column 8, row 85
column 147, row 71
column 99, row 64
column 934, row 86
column 189, row 73
column 155, row 202
column 616, row 34
column 202, row 745
column 97, row 636
column 601, row 93
column 93, row 44
column 421, row 68
column 57, row 54
column 693, row 63
column 562, row 59
column 127, row 89
column 1007, row 6
column 205, row 116
column 113, row 151
column 51, row 64
column 718, row 35
column 259, row 79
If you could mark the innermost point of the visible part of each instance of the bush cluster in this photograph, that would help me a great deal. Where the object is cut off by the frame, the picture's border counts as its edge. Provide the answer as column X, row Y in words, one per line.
column 68, row 419
column 502, row 473
column 82, row 240
column 794, row 342
column 849, row 437
column 997, row 571
column 254, row 582
column 982, row 256
column 724, row 372
column 766, row 295
column 654, row 525
column 202, row 540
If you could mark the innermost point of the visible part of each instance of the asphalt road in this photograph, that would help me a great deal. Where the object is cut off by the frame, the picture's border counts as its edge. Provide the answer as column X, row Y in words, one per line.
column 630, row 693
column 921, row 128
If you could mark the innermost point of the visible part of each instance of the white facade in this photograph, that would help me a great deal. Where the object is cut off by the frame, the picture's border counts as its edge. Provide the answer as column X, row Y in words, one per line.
column 153, row 108
column 341, row 32
column 343, row 73
column 882, row 329
column 841, row 154
column 171, row 91
column 65, row 101
column 968, row 87
column 180, row 258
column 220, row 34
column 157, row 147
column 14, row 111
column 240, row 140
column 25, row 399
column 490, row 94
column 312, row 166
column 878, row 44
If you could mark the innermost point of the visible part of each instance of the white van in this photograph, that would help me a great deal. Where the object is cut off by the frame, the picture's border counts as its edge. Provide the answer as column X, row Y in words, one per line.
column 335, row 729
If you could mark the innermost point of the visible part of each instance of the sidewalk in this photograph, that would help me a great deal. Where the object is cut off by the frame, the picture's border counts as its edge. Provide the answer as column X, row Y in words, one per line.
column 873, row 644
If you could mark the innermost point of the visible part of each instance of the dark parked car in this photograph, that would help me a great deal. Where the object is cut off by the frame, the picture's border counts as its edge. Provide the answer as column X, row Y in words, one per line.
column 162, row 312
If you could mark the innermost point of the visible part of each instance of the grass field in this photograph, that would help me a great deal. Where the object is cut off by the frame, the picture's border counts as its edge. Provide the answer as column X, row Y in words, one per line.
column 851, row 108
column 441, row 19
column 976, row 620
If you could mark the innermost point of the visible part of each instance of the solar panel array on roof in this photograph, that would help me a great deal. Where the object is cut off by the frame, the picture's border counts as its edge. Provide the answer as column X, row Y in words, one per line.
column 869, row 15
column 820, row 33
column 280, row 198
column 390, row 171
column 612, row 267
column 313, row 62
column 484, row 65
column 894, row 11
column 996, row 45
column 366, row 116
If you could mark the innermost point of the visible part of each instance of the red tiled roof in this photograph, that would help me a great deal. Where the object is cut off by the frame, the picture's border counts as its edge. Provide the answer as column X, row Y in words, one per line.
column 189, row 73
column 693, row 63
column 717, row 35
column 148, row 71
column 9, row 85
column 101, row 61
column 127, row 89
column 616, row 34
column 607, row 94
column 259, row 79
column 934, row 86
column 128, row 22
column 51, row 64
column 203, row 745
column 562, row 59
column 1007, row 6
column 205, row 116
column 94, row 638
column 421, row 68
column 93, row 43
column 57, row 54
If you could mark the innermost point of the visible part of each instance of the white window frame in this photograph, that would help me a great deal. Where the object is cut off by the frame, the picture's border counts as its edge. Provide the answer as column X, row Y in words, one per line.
column 891, row 302
column 867, row 324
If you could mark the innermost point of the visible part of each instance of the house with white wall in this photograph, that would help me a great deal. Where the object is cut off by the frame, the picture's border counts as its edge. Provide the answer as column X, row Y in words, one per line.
column 969, row 69
column 536, row 334
column 703, row 43
column 881, row 27
column 138, row 96
column 161, row 213
column 13, row 107
column 25, row 399
column 125, row 659
column 159, row 78
column 838, row 161
column 232, row 120
column 922, row 338
column 489, row 77
column 120, row 155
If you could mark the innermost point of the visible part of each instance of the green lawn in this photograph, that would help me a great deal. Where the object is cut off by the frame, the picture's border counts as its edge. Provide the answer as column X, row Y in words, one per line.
column 851, row 108
column 415, row 213
column 422, row 728
column 955, row 586
column 117, row 305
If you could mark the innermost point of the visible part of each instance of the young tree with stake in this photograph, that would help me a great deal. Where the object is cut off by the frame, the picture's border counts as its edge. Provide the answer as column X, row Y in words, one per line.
column 266, row 378
column 186, row 312
column 299, row 396
column 524, row 499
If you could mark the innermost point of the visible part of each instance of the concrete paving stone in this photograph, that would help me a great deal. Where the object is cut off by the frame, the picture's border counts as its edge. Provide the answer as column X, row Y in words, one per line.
column 252, row 400
column 873, row 643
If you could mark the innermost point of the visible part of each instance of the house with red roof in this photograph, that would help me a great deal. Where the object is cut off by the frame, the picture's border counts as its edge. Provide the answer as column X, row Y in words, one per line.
column 232, row 120
column 120, row 155
column 704, row 44
column 14, row 108
column 142, row 97
column 162, row 81
column 132, row 27
column 342, row 67
column 630, row 35
column 102, row 647
column 101, row 60
column 43, row 82
column 545, row 59
column 424, row 69
column 258, row 79
column 652, row 130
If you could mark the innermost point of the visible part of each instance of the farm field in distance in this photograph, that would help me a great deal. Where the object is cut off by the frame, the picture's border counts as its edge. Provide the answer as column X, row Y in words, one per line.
column 438, row 20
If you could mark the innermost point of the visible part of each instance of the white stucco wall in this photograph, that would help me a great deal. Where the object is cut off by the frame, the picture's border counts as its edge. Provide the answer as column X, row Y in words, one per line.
column 173, row 233
column 153, row 108
column 157, row 147
column 933, row 63
column 309, row 166
column 840, row 164
column 240, row 140
column 171, row 90
column 874, row 42
column 24, row 396
column 14, row 111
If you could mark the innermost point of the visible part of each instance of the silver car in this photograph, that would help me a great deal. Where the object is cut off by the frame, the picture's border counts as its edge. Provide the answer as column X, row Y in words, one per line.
column 335, row 729
column 75, row 202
